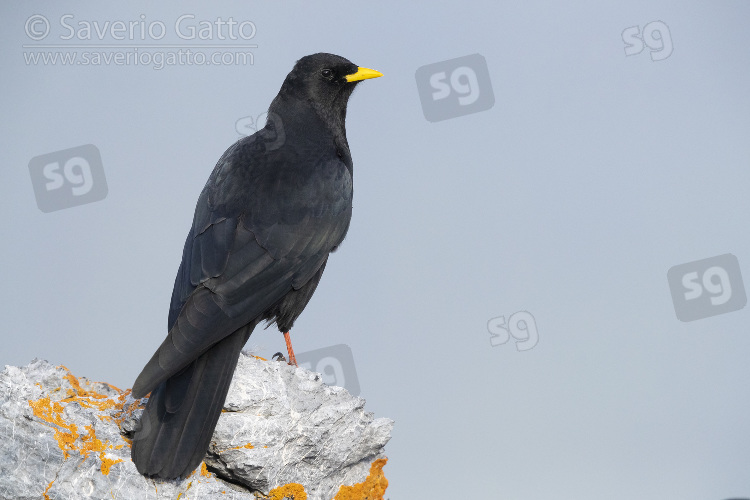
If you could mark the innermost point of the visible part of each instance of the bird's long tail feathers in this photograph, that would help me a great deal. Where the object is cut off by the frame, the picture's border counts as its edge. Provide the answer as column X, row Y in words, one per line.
column 181, row 414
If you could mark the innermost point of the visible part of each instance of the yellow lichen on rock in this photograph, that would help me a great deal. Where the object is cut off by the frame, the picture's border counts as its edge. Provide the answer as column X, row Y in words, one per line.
column 186, row 489
column 204, row 470
column 66, row 433
column 77, row 390
column 248, row 446
column 292, row 491
column 373, row 488
column 46, row 496
column 51, row 413
column 107, row 463
column 125, row 413
column 92, row 443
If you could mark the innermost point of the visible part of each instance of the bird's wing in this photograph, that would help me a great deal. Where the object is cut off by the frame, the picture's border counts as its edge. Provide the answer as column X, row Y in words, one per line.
column 264, row 224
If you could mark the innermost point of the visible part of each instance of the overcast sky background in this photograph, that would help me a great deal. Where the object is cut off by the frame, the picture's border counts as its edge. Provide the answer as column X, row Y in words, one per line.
column 592, row 175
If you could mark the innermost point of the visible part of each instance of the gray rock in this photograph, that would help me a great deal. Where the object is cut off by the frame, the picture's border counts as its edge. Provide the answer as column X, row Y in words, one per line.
column 282, row 429
column 298, row 429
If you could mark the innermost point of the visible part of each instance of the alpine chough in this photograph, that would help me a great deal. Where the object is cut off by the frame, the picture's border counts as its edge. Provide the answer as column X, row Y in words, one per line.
column 275, row 206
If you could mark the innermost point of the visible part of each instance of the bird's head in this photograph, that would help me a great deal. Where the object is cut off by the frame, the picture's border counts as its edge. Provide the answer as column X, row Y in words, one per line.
column 326, row 81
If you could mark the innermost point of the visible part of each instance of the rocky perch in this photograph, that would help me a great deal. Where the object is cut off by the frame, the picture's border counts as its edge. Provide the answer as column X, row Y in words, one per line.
column 282, row 434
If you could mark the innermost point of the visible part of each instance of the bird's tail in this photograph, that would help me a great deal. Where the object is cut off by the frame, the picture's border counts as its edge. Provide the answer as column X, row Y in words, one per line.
column 181, row 414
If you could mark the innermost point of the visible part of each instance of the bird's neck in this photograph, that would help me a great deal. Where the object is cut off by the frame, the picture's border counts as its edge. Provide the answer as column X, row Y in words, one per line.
column 307, row 120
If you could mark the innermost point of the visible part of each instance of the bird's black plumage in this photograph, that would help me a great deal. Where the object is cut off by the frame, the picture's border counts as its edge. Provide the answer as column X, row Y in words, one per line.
column 274, row 207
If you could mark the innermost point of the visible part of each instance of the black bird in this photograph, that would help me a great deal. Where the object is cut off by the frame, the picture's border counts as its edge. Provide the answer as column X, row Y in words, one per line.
column 275, row 206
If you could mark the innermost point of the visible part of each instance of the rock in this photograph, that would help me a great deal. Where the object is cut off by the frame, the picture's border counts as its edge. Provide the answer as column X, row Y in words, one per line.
column 283, row 433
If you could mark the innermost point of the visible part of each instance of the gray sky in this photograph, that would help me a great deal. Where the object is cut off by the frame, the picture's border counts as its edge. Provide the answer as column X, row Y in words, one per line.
column 570, row 198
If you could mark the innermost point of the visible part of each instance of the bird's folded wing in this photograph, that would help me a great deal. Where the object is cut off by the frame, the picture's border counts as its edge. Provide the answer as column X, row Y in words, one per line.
column 251, row 282
column 238, row 264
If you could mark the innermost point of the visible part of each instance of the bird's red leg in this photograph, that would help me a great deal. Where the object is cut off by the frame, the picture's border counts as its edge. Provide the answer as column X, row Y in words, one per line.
column 292, row 359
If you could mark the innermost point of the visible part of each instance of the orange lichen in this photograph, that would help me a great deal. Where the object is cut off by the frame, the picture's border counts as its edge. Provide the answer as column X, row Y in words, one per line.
column 66, row 434
column 204, row 470
column 107, row 463
column 78, row 390
column 188, row 487
column 125, row 413
column 50, row 412
column 249, row 446
column 292, row 490
column 90, row 442
column 373, row 488
column 46, row 496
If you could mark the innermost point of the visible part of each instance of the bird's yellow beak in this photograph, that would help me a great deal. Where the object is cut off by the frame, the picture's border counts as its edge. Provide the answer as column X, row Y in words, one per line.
column 363, row 74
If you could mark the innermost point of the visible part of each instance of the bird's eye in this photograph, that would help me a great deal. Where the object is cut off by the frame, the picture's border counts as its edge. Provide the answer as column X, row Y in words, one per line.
column 327, row 73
